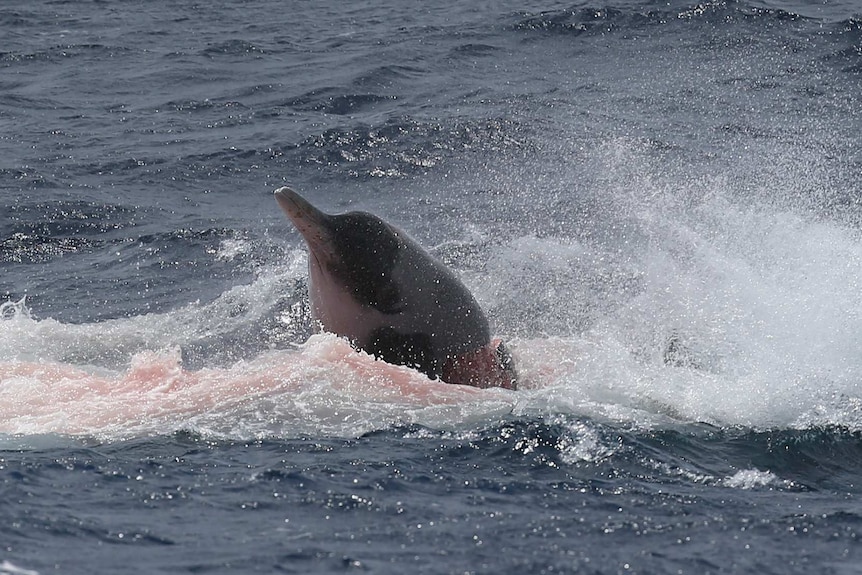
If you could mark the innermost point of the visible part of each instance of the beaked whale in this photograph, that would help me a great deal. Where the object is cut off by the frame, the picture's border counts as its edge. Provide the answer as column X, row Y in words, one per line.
column 371, row 283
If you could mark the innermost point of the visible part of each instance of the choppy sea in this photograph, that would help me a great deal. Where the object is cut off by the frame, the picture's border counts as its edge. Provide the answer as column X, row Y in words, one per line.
column 658, row 203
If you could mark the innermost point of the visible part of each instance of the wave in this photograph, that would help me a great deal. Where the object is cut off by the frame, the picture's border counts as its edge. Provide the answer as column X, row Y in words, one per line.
column 234, row 47
column 70, row 217
column 674, row 300
column 647, row 297
column 405, row 146
column 135, row 376
column 612, row 19
column 325, row 388
column 335, row 101
column 64, row 52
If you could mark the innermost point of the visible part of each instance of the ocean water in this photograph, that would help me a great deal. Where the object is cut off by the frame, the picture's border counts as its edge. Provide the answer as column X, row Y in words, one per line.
column 657, row 204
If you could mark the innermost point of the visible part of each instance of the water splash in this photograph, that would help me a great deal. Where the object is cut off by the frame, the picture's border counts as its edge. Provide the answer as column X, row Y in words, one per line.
column 682, row 300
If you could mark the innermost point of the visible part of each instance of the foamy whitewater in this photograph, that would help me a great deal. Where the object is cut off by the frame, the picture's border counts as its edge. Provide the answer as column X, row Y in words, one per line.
column 657, row 205
column 724, row 311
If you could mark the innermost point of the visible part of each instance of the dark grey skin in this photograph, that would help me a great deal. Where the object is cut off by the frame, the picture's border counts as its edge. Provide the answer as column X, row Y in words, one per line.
column 371, row 283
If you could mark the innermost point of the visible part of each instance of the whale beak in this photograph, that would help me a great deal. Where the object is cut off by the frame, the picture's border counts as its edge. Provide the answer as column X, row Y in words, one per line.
column 313, row 224
column 303, row 215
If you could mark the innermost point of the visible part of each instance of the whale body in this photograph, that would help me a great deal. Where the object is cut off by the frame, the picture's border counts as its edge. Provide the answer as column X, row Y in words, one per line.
column 373, row 284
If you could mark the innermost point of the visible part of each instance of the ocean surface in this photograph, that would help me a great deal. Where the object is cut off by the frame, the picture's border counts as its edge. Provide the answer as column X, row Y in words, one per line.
column 658, row 204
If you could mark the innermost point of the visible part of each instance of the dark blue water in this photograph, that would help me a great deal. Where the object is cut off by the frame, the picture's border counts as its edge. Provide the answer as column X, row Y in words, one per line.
column 657, row 203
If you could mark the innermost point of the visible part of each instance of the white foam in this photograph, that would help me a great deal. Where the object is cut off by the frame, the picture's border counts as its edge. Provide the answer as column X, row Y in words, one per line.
column 769, row 336
column 704, row 305
column 112, row 343
column 9, row 568
column 323, row 388
column 751, row 479
column 232, row 248
column 696, row 302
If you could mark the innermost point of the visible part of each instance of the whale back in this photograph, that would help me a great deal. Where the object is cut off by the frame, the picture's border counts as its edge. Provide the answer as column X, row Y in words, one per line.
column 413, row 310
column 373, row 284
